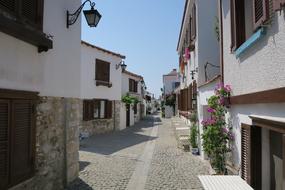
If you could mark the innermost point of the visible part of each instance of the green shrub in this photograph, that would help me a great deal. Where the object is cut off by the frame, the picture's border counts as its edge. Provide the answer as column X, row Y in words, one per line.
column 193, row 136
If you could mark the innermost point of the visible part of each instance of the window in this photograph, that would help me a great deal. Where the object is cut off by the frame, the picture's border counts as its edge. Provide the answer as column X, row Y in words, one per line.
column 97, row 109
column 133, row 85
column 102, row 73
column 256, row 13
column 17, row 137
column 23, row 19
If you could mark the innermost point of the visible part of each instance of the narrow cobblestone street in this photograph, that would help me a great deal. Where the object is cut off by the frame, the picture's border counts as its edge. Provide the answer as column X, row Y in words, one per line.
column 141, row 157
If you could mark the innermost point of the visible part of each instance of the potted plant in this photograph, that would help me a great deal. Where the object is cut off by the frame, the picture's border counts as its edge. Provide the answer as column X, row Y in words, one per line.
column 193, row 139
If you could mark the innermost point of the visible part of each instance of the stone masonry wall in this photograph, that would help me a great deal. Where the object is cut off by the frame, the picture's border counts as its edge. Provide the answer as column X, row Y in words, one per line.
column 57, row 144
column 101, row 126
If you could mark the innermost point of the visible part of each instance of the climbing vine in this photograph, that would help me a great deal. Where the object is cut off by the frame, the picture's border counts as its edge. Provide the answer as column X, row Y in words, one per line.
column 216, row 134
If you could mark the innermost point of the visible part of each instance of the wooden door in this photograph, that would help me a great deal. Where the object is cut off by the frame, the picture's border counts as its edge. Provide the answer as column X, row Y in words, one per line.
column 128, row 115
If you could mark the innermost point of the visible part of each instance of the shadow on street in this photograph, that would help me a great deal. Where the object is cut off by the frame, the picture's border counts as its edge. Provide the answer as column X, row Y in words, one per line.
column 107, row 144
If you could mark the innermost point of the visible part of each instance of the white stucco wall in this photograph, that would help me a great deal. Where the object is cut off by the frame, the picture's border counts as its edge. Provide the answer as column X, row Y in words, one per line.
column 262, row 66
column 206, row 43
column 52, row 73
column 88, row 69
column 125, row 84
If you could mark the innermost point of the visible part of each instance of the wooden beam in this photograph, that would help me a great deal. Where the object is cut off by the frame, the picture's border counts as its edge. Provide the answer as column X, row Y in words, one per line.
column 26, row 33
column 264, row 97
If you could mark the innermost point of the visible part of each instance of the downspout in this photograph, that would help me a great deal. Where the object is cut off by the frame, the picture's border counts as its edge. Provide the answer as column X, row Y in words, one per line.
column 221, row 40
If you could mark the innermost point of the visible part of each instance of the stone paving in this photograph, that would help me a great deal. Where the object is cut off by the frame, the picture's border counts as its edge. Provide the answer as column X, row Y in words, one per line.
column 141, row 157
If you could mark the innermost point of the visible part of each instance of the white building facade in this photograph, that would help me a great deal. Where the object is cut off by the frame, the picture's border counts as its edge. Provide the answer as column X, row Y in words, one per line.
column 199, row 61
column 101, row 81
column 253, row 49
column 40, row 87
column 132, row 85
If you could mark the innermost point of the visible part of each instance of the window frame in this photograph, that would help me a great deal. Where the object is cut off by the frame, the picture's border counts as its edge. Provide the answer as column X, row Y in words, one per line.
column 102, row 73
column 133, row 85
column 89, row 106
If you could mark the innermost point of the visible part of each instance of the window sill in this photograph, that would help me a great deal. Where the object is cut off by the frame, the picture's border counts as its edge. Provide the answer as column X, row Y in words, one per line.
column 250, row 42
column 26, row 33
column 103, row 83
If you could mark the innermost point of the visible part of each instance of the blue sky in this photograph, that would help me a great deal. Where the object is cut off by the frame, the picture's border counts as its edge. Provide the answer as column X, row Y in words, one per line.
column 145, row 31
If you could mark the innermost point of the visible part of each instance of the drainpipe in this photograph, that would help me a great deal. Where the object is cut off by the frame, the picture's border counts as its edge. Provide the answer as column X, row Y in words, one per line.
column 221, row 39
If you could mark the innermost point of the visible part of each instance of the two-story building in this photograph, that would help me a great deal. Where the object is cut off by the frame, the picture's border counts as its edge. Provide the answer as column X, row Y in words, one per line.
column 132, row 85
column 253, row 46
column 198, row 49
column 101, row 81
column 40, row 106
column 170, row 82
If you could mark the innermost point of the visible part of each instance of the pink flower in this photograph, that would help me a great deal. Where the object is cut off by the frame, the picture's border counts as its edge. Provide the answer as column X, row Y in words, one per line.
column 211, row 110
column 228, row 88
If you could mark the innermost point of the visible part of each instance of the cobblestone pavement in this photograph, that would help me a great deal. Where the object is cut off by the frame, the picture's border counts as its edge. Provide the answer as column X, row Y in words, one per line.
column 141, row 157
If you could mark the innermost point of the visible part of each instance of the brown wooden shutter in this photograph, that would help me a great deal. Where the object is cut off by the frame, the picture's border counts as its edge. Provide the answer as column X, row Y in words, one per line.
column 102, row 71
column 136, row 86
column 8, row 5
column 194, row 20
column 108, row 109
column 246, row 153
column 233, row 24
column 4, row 142
column 29, row 10
column 255, row 161
column 107, row 72
column 130, row 85
column 260, row 12
column 190, row 107
column 22, row 142
column 40, row 14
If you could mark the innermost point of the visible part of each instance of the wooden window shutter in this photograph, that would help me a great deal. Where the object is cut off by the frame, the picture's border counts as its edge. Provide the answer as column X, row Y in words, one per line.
column 246, row 153
column 9, row 5
column 4, row 142
column 108, row 110
column 190, row 107
column 107, row 72
column 190, row 28
column 136, row 86
column 29, row 10
column 255, row 161
column 233, row 24
column 130, row 85
column 194, row 22
column 260, row 12
column 23, row 140
column 102, row 71
column 237, row 23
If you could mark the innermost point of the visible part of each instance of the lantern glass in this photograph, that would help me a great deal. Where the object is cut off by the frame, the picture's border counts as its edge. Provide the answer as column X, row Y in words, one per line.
column 92, row 17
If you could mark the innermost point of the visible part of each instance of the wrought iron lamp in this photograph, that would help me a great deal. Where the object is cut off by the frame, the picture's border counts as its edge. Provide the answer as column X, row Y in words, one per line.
column 122, row 65
column 92, row 16
column 193, row 72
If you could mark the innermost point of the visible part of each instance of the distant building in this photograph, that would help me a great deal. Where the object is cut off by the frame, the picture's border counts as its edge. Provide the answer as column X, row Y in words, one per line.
column 133, row 85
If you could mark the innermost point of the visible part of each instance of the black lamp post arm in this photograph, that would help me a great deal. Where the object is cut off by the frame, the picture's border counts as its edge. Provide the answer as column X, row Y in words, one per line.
column 72, row 18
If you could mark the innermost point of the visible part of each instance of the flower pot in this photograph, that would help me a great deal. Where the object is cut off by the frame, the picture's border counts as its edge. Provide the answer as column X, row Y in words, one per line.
column 195, row 151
